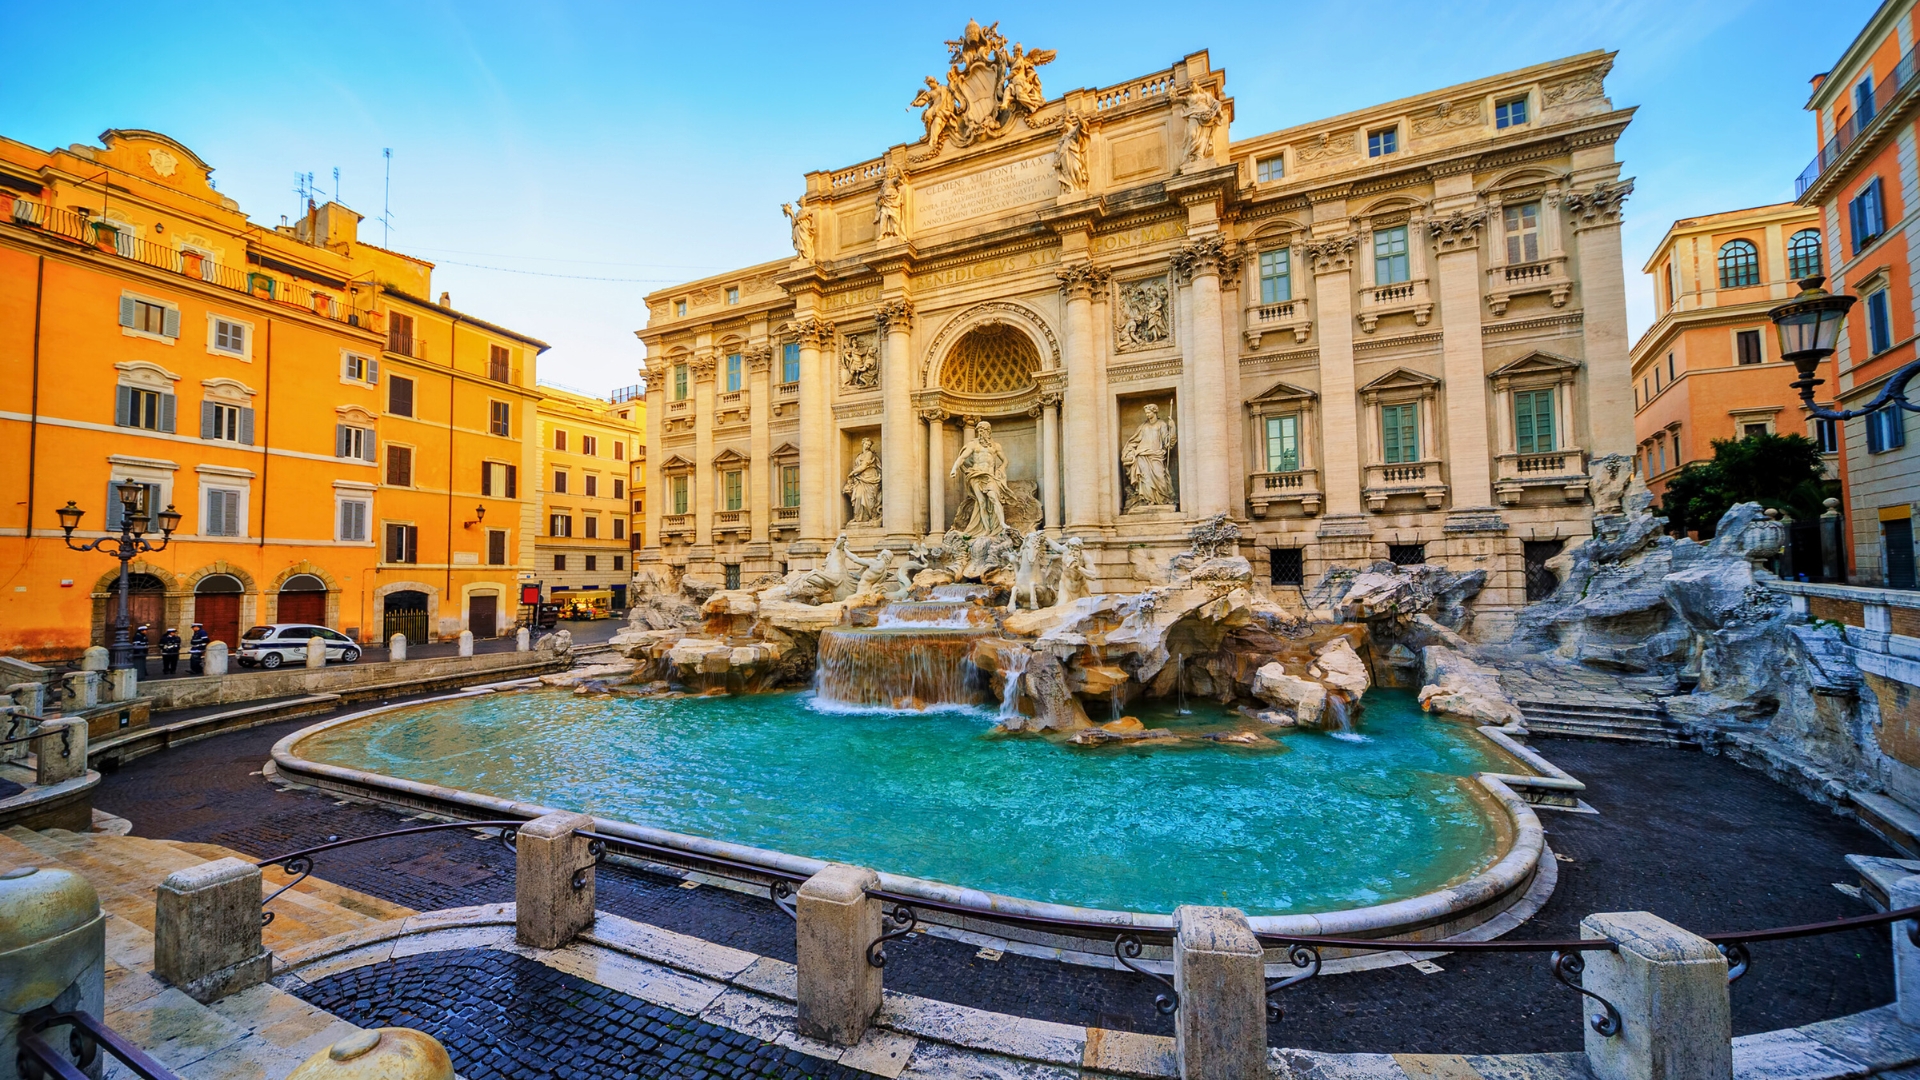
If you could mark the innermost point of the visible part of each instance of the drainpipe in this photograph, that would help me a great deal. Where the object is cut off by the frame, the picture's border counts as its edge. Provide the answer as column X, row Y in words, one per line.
column 453, row 340
column 266, row 426
column 33, row 423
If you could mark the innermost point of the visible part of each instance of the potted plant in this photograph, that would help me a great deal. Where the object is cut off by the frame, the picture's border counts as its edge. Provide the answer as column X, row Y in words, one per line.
column 191, row 263
column 105, row 236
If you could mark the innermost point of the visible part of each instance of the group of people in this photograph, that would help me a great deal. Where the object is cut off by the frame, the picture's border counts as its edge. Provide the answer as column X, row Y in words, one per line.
column 170, row 649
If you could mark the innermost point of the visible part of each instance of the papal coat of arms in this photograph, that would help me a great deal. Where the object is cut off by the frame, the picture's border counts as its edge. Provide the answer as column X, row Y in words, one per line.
column 989, row 85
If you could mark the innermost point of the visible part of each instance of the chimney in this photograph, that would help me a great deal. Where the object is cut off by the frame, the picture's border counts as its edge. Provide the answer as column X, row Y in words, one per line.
column 446, row 299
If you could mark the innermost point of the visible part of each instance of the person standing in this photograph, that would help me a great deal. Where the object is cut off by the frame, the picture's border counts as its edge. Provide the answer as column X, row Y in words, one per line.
column 140, row 650
column 170, row 652
column 197, row 649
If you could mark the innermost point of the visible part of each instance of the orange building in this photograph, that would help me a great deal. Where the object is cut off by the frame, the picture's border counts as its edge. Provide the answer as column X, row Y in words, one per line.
column 1709, row 367
column 1861, row 182
column 244, row 374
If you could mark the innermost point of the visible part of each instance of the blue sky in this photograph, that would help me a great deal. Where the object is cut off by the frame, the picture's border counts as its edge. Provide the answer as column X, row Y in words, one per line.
column 654, row 144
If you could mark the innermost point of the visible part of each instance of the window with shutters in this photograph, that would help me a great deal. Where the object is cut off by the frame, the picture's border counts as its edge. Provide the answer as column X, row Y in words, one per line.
column 592, row 524
column 1826, row 435
column 593, row 486
column 593, row 562
column 589, row 446
column 139, row 408
column 499, row 364
column 150, row 498
column 619, row 488
column 351, row 520
column 403, row 543
column 559, row 562
column 1886, row 429
column 560, row 481
column 1399, row 433
column 679, row 494
column 1746, row 346
column 499, row 418
column 227, row 337
column 1283, row 443
column 734, row 375
column 1522, row 226
column 1390, row 265
column 789, row 485
column 560, row 525
column 400, row 333
column 353, row 442
column 619, row 451
column 619, row 528
column 559, row 439
column 619, row 562
column 790, row 362
column 1879, row 322
column 357, row 368
column 499, row 479
column 1867, row 214
column 144, row 317
column 496, row 547
column 400, row 395
column 222, row 510
column 730, row 488
column 226, row 423
column 1276, row 276
column 679, row 382
column 399, row 465
column 1533, row 421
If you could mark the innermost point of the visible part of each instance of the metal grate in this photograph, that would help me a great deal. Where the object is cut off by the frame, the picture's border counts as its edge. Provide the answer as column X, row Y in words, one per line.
column 1407, row 554
column 1287, row 566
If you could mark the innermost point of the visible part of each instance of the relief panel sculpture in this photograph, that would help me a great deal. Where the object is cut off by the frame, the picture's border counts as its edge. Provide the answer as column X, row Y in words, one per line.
column 860, row 361
column 1143, row 314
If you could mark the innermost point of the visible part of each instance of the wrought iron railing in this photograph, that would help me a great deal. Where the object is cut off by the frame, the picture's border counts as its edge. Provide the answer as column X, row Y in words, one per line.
column 86, row 1038
column 299, row 864
column 1897, row 83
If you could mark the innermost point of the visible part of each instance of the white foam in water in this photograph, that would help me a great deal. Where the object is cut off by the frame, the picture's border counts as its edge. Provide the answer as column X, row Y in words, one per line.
column 830, row 707
column 1016, row 669
column 1349, row 736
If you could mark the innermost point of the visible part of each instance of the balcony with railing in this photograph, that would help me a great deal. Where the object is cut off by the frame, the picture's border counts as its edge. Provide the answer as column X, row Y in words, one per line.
column 1278, row 317
column 1401, row 297
column 1404, row 478
column 1548, row 275
column 732, row 523
column 676, row 525
column 1269, row 493
column 627, row 393
column 105, row 236
column 1563, row 473
column 1885, row 96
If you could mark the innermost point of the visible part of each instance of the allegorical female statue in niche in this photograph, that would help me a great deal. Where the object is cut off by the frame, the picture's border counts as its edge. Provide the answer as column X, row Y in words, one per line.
column 985, row 470
column 1149, row 481
column 863, row 486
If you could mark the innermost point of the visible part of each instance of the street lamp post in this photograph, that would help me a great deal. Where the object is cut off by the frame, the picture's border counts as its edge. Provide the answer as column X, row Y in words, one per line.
column 1809, row 326
column 130, row 542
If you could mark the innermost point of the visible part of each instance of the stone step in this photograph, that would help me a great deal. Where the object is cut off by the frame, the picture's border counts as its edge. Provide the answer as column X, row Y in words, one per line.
column 1585, row 708
column 1618, row 731
column 1641, row 723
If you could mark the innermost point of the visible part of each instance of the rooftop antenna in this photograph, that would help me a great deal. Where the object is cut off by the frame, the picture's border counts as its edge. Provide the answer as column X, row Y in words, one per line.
column 336, row 183
column 386, row 200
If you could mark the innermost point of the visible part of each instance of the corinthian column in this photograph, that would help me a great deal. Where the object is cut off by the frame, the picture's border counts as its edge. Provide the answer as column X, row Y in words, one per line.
column 760, row 410
column 1200, row 261
column 1050, row 459
column 1469, row 463
column 1332, row 262
column 704, row 479
column 936, row 470
column 816, row 487
column 898, row 425
column 1080, row 437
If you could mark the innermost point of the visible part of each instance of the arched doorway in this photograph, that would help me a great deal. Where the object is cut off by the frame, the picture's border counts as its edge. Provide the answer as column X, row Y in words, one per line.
column 405, row 612
column 303, row 599
column 146, row 606
column 216, row 606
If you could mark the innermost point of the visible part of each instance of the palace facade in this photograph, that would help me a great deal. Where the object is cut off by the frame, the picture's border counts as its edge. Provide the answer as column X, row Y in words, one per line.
column 1396, row 333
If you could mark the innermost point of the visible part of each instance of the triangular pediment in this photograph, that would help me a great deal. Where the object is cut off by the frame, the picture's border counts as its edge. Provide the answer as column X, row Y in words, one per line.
column 785, row 449
column 676, row 462
column 729, row 456
column 1537, row 363
column 1402, row 379
column 1283, row 391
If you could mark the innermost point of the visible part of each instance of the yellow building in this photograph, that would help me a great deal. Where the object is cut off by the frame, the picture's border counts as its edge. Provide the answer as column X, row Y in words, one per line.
column 587, row 448
column 150, row 332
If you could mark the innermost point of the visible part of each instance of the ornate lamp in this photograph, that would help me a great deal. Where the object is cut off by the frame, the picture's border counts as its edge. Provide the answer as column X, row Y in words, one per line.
column 125, row 546
column 70, row 516
column 1809, row 327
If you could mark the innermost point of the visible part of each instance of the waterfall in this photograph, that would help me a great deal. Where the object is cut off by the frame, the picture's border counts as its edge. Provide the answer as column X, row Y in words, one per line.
column 1016, row 660
column 931, row 616
column 1342, row 717
column 896, row 669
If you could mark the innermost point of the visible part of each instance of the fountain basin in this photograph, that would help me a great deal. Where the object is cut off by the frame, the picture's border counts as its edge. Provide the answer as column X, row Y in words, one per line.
column 1413, row 834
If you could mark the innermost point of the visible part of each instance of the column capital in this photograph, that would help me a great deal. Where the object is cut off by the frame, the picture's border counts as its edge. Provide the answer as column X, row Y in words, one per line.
column 896, row 314
column 759, row 357
column 813, row 331
column 1600, row 206
column 1331, row 255
column 1202, row 256
column 1458, row 231
column 932, row 414
column 703, row 364
column 1079, row 281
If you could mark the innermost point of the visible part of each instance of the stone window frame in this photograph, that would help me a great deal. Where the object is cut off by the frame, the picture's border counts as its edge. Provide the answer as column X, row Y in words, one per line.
column 1284, row 399
column 1537, row 371
column 1519, row 186
column 785, row 456
column 1403, row 386
column 245, row 353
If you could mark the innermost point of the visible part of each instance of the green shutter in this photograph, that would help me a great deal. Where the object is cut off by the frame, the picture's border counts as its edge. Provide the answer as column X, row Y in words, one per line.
column 1399, row 439
column 1533, row 421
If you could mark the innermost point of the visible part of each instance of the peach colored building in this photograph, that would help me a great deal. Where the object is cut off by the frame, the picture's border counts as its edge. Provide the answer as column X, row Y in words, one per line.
column 1709, row 367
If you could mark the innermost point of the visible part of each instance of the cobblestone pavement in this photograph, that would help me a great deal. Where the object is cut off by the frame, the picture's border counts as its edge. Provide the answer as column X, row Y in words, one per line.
column 1693, row 838
column 502, row 1017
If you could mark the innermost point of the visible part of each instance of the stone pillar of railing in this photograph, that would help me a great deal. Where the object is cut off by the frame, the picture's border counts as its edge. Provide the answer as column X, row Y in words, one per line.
column 31, row 696
column 206, row 930
column 379, row 1054
column 1670, row 987
column 60, row 751
column 553, row 882
column 1905, row 893
column 216, row 658
column 1219, row 972
column 397, row 647
column 95, row 658
column 83, row 689
column 122, row 684
column 316, row 652
column 522, row 640
column 466, row 643
column 838, row 991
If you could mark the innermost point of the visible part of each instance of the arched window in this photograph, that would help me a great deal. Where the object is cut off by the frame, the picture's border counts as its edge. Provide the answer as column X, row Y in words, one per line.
column 1803, row 254
column 1739, row 264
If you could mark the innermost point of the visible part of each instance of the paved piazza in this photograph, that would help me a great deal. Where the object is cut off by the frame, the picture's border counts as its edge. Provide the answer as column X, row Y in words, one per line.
column 1695, row 839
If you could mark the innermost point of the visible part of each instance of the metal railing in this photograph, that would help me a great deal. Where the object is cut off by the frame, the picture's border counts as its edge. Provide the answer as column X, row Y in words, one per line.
column 1898, row 82
column 86, row 1037
column 300, row 863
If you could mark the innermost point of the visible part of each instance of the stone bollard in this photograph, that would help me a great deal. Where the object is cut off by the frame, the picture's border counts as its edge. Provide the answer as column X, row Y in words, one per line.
column 61, row 751
column 397, row 647
column 1219, row 972
column 466, row 643
column 316, row 652
column 31, row 696
column 1671, row 989
column 216, row 658
column 83, row 689
column 53, row 941
column 838, row 991
column 553, row 881
column 522, row 640
column 1906, row 956
column 206, row 930
column 123, row 684
column 95, row 658
column 379, row 1054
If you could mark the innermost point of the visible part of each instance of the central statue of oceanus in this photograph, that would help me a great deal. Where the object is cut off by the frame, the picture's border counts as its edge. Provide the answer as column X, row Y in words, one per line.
column 984, row 471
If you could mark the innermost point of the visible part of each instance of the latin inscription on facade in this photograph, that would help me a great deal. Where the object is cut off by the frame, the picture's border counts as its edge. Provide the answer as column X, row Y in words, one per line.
column 992, row 191
column 987, row 268
column 1133, row 238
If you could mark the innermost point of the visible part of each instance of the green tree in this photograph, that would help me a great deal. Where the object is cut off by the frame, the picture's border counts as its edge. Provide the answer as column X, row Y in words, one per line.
column 1781, row 472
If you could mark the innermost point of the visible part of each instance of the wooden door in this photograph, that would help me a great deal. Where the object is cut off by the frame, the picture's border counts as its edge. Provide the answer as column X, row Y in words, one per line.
column 482, row 608
column 303, row 607
column 220, row 614
column 144, row 608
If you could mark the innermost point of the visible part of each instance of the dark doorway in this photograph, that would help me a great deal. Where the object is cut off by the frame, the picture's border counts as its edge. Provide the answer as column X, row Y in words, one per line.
column 1897, row 537
column 405, row 612
column 482, row 608
column 619, row 596
column 1540, row 580
column 303, row 599
column 216, row 606
column 146, row 605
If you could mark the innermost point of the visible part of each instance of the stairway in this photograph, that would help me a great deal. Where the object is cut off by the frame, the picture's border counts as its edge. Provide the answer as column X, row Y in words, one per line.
column 1616, row 719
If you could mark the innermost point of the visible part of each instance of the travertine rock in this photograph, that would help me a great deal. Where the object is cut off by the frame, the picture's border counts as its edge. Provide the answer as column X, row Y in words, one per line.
column 1337, row 665
column 1457, row 687
column 1303, row 699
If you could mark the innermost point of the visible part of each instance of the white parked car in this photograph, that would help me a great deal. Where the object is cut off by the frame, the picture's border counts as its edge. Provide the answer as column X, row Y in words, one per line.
column 271, row 646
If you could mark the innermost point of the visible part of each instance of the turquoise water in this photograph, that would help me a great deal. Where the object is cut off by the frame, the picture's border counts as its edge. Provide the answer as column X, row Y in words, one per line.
column 1319, row 822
